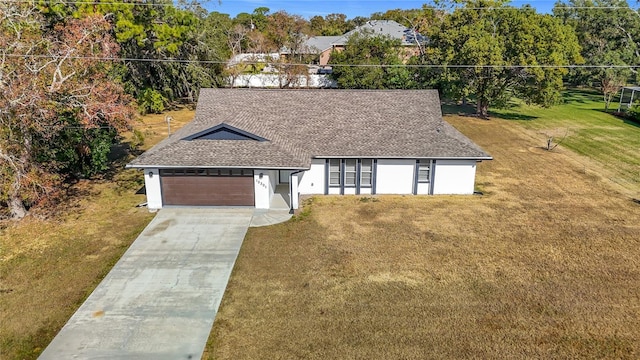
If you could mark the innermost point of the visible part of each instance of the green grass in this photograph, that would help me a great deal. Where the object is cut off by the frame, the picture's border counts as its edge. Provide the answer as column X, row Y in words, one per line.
column 585, row 128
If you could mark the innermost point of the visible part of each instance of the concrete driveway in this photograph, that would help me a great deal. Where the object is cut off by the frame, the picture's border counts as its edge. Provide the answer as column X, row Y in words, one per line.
column 160, row 299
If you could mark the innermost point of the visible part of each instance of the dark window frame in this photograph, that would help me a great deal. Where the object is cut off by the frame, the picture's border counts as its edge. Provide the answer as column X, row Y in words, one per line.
column 207, row 172
column 353, row 171
column 423, row 167
column 339, row 164
column 370, row 172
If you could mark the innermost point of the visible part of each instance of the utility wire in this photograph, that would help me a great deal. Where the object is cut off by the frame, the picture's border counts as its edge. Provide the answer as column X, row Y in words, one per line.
column 187, row 61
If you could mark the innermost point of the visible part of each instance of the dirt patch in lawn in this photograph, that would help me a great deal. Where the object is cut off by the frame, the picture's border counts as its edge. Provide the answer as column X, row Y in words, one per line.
column 545, row 264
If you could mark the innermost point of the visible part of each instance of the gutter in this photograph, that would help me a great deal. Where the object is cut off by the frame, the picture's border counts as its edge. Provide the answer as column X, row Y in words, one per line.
column 129, row 166
column 479, row 158
column 291, row 190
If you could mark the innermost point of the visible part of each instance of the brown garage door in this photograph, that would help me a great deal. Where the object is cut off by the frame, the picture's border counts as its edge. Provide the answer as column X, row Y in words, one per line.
column 211, row 187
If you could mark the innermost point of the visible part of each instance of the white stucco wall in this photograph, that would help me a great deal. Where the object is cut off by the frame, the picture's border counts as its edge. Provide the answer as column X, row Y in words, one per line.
column 153, row 189
column 275, row 81
column 423, row 188
column 349, row 191
column 365, row 191
column 312, row 181
column 273, row 181
column 454, row 177
column 264, row 187
column 395, row 176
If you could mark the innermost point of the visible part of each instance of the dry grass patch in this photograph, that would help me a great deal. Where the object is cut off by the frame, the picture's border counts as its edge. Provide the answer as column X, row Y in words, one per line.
column 49, row 266
column 154, row 126
column 545, row 265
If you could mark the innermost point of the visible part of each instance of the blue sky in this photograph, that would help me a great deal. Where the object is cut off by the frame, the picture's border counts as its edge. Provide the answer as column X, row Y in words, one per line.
column 351, row 8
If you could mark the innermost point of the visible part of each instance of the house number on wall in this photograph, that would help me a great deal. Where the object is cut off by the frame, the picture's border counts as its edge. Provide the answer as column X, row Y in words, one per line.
column 261, row 184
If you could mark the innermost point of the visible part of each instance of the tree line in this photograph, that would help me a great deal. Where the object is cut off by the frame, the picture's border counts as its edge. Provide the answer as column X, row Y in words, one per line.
column 73, row 75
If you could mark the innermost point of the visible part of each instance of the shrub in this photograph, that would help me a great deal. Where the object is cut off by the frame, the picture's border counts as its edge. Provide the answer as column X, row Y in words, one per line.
column 151, row 101
column 634, row 111
column 137, row 139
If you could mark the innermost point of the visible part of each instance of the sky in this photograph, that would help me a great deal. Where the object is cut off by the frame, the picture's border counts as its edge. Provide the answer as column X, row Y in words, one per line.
column 351, row 8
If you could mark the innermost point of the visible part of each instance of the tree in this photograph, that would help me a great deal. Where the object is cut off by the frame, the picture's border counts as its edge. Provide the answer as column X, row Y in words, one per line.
column 493, row 55
column 330, row 25
column 287, row 31
column 609, row 33
column 406, row 17
column 157, row 33
column 259, row 18
column 50, row 82
column 380, row 60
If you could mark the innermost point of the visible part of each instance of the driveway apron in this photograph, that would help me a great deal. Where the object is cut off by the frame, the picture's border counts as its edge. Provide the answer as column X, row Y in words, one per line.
column 160, row 299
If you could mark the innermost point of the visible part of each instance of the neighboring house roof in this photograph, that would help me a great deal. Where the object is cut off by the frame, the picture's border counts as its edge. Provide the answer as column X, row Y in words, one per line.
column 390, row 28
column 319, row 44
column 252, row 57
column 299, row 125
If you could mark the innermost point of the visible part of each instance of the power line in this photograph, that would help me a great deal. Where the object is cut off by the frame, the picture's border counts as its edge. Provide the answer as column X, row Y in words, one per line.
column 100, row 58
column 219, row 62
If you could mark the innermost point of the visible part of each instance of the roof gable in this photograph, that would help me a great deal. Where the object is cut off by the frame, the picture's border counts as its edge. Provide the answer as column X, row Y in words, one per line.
column 224, row 132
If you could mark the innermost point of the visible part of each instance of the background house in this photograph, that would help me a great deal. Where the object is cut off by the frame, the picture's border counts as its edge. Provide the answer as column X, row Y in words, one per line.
column 324, row 45
column 272, row 71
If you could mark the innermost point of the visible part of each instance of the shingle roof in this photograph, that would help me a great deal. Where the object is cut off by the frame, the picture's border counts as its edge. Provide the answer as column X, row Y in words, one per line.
column 390, row 28
column 302, row 124
column 317, row 44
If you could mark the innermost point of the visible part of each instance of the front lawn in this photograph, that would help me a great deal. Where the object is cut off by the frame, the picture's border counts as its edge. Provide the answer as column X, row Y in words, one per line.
column 544, row 265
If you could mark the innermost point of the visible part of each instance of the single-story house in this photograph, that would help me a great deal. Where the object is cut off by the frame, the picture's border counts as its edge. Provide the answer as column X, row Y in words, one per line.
column 247, row 145
column 324, row 45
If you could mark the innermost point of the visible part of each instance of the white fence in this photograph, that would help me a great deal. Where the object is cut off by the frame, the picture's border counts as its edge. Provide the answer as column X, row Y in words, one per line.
column 276, row 81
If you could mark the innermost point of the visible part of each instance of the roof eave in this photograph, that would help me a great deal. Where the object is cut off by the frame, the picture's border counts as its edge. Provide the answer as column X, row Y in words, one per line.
column 404, row 157
column 130, row 166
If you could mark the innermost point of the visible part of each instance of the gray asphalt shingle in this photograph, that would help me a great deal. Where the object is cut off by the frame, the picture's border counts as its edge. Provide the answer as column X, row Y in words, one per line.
column 302, row 124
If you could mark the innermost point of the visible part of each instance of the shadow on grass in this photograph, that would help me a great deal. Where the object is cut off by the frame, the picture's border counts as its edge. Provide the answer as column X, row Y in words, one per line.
column 453, row 108
column 631, row 122
column 512, row 116
column 581, row 96
column 119, row 156
column 622, row 116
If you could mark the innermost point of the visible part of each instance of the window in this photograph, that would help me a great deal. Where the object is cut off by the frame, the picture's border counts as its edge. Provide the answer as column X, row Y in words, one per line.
column 424, row 171
column 334, row 172
column 350, row 172
column 366, row 169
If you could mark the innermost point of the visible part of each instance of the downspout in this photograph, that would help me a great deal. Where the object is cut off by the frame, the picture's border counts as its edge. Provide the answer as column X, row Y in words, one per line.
column 291, row 189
